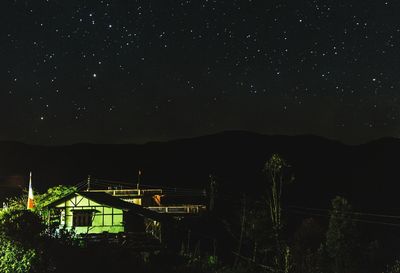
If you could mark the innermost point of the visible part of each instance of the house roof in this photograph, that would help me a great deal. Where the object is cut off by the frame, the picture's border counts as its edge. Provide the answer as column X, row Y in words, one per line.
column 114, row 202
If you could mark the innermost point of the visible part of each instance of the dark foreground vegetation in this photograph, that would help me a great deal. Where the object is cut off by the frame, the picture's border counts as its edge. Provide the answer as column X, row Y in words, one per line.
column 256, row 235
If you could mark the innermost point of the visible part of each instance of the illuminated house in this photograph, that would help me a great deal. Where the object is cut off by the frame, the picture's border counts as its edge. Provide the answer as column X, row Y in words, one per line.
column 121, row 211
column 98, row 212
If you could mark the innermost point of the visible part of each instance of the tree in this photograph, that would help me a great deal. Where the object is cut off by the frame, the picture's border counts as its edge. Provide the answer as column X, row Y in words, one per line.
column 20, row 241
column 15, row 258
column 53, row 194
column 394, row 268
column 258, row 232
column 307, row 241
column 24, row 244
column 22, row 226
column 41, row 200
column 341, row 244
column 276, row 169
column 17, row 202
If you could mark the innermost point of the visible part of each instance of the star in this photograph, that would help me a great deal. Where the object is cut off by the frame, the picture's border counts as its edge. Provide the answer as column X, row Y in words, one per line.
column 254, row 62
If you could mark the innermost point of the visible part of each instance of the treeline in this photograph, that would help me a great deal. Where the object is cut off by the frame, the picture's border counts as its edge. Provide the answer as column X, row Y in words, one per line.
column 269, row 237
column 257, row 236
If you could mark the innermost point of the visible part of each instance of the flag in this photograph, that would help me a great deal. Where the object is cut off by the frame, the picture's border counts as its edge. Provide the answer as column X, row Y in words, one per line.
column 30, row 203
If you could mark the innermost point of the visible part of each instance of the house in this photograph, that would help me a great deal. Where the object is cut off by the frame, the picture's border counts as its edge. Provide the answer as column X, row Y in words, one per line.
column 130, row 213
column 89, row 213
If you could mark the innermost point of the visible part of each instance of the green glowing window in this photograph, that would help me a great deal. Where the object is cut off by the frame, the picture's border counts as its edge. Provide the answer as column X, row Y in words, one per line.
column 82, row 218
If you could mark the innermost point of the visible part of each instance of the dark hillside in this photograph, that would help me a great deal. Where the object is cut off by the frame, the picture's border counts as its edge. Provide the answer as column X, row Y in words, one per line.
column 366, row 174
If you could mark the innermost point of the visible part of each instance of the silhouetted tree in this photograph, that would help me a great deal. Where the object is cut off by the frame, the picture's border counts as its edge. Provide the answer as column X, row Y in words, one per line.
column 20, row 241
column 276, row 169
column 307, row 241
column 341, row 243
column 394, row 268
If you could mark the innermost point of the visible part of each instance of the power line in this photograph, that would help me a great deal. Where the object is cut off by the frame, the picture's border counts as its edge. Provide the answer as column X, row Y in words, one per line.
column 353, row 219
column 131, row 184
column 145, row 185
column 349, row 212
column 118, row 184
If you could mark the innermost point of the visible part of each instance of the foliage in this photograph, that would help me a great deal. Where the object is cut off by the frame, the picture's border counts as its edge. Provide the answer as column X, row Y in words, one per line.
column 306, row 246
column 20, row 241
column 258, row 233
column 52, row 194
column 41, row 200
column 17, row 202
column 394, row 268
column 15, row 258
column 276, row 169
column 341, row 244
column 24, row 244
column 21, row 226
column 278, row 175
column 263, row 247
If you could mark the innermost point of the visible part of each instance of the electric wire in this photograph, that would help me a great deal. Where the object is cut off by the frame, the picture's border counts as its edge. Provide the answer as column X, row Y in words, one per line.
column 182, row 192
column 352, row 219
column 349, row 212
column 117, row 184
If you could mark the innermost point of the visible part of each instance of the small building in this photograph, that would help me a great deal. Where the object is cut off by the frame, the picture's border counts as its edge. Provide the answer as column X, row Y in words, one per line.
column 128, row 215
column 98, row 213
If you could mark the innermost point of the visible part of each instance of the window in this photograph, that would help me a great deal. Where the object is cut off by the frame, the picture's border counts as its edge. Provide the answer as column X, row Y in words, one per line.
column 82, row 218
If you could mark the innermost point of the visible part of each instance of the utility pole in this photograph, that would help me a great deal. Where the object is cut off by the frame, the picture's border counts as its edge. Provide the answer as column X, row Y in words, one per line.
column 241, row 229
column 213, row 185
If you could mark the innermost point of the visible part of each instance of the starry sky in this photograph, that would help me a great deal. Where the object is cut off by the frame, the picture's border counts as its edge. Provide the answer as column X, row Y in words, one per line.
column 136, row 71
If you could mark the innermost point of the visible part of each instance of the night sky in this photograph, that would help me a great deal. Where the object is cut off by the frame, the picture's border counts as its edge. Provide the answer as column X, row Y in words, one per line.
column 137, row 71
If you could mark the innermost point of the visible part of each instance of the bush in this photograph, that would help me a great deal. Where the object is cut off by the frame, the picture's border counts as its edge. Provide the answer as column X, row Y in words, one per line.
column 20, row 241
column 16, row 258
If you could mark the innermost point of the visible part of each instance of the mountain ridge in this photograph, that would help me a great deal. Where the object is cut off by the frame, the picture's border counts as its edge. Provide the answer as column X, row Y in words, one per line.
column 323, row 167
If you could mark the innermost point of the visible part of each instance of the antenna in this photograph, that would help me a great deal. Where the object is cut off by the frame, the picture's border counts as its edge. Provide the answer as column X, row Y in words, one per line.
column 88, row 183
column 138, row 179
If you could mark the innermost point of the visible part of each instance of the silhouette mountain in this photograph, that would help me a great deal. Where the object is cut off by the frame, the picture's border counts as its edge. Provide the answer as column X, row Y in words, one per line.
column 366, row 174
